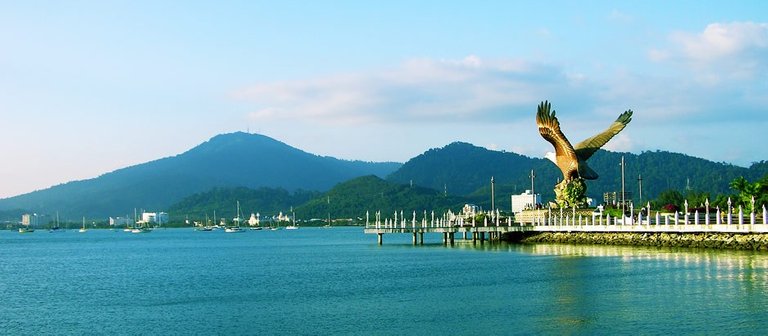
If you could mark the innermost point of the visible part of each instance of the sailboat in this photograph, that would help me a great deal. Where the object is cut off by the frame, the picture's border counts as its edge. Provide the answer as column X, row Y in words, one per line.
column 328, row 225
column 236, row 228
column 293, row 223
column 83, row 229
column 56, row 227
column 254, row 221
column 141, row 227
column 206, row 227
column 203, row 228
column 27, row 228
column 128, row 227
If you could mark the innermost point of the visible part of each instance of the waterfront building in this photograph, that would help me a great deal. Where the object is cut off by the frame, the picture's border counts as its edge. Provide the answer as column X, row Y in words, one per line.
column 154, row 217
column 120, row 221
column 254, row 220
column 470, row 210
column 614, row 198
column 524, row 201
column 283, row 217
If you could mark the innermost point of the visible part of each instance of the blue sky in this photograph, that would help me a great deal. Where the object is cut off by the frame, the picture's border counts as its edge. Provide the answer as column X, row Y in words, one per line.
column 87, row 87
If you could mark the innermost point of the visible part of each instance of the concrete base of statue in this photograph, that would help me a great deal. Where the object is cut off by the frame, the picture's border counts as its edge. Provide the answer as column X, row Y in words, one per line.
column 570, row 193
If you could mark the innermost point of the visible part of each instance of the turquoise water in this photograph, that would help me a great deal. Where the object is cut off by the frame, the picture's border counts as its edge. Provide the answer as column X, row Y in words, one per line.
column 316, row 281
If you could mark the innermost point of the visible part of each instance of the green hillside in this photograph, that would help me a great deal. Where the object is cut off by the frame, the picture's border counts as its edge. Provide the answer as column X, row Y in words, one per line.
column 228, row 160
column 223, row 201
column 353, row 198
column 465, row 170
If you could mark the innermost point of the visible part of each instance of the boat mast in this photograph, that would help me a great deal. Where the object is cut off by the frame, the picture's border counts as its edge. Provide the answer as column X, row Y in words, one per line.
column 238, row 214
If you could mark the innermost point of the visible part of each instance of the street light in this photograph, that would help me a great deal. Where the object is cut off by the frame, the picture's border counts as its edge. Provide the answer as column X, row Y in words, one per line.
column 493, row 196
column 533, row 191
column 623, row 201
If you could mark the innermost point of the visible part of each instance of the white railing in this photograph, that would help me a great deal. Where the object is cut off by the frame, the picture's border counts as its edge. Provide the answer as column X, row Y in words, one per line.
column 573, row 220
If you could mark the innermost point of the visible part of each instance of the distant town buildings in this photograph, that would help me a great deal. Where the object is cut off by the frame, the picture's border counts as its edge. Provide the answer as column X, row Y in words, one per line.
column 26, row 219
column 254, row 220
column 614, row 198
column 525, row 201
column 470, row 210
column 120, row 221
column 154, row 217
column 283, row 217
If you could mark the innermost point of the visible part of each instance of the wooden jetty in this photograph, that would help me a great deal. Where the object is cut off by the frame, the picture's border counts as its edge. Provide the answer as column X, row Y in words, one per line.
column 571, row 221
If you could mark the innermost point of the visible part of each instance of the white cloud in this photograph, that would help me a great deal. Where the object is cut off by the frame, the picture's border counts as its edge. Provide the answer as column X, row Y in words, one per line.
column 721, row 52
column 619, row 16
column 462, row 99
column 721, row 40
column 420, row 90
column 658, row 55
column 620, row 143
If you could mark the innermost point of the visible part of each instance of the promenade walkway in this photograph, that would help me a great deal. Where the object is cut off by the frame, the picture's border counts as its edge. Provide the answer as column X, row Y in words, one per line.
column 568, row 221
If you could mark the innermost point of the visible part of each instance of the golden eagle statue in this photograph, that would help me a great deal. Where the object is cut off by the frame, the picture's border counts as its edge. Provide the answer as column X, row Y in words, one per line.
column 572, row 160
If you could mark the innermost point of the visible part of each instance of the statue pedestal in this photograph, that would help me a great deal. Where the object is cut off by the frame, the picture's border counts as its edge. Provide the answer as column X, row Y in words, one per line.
column 570, row 193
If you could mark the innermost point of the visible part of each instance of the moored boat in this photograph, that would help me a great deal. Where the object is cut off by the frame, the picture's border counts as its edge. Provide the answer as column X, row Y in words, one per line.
column 83, row 229
column 236, row 228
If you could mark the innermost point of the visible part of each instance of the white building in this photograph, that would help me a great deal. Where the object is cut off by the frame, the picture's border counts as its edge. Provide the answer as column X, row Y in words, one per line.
column 470, row 210
column 524, row 201
column 120, row 221
column 283, row 217
column 154, row 217
column 254, row 220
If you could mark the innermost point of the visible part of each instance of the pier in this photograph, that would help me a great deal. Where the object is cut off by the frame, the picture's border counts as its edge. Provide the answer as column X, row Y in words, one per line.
column 569, row 221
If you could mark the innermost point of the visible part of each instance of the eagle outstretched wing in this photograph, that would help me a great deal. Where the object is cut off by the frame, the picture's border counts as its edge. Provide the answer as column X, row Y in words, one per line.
column 589, row 146
column 549, row 128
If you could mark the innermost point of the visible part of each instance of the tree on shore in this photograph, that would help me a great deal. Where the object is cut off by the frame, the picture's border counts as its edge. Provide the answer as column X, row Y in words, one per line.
column 747, row 192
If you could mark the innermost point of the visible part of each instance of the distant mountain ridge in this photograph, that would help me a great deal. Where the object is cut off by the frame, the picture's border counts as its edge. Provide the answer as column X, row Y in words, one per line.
column 464, row 169
column 227, row 160
column 440, row 177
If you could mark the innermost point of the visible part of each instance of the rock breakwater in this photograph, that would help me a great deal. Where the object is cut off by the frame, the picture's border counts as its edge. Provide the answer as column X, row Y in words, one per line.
column 738, row 241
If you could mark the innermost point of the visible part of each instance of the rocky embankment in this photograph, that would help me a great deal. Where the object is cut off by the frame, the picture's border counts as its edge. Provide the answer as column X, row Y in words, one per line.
column 739, row 241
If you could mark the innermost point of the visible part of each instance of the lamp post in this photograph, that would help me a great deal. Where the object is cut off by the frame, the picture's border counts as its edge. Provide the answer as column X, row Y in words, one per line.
column 640, row 184
column 706, row 204
column 533, row 191
column 623, row 202
column 493, row 196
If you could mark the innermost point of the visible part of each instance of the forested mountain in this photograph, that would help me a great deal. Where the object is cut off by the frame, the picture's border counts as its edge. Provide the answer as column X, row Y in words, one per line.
column 464, row 169
column 353, row 198
column 461, row 168
column 275, row 176
column 228, row 160
column 223, row 202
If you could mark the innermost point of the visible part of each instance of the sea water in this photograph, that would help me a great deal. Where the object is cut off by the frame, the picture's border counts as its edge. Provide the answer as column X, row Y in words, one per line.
column 338, row 281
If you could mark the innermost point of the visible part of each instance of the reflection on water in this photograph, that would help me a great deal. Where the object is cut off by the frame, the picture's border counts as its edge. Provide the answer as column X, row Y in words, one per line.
column 624, row 289
column 684, row 282
column 339, row 281
column 709, row 264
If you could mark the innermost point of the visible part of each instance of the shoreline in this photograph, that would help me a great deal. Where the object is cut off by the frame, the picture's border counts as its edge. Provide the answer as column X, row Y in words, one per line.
column 709, row 240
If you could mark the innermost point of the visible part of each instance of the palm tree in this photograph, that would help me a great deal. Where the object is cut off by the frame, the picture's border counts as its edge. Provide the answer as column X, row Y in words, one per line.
column 746, row 192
